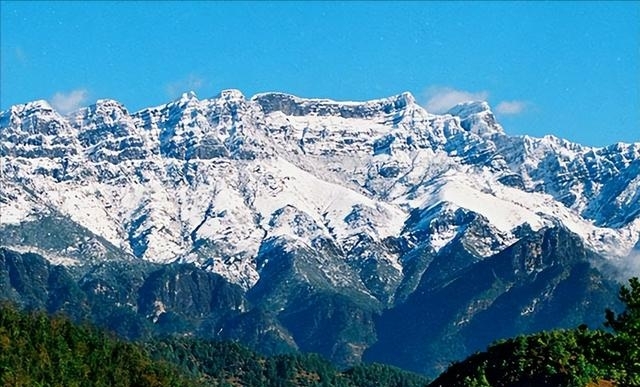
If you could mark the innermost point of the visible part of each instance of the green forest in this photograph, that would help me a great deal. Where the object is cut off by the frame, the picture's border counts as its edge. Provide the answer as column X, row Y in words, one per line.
column 37, row 350
column 568, row 358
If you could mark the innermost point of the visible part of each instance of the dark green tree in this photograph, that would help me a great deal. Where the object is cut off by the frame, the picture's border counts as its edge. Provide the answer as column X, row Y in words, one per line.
column 626, row 326
column 627, row 322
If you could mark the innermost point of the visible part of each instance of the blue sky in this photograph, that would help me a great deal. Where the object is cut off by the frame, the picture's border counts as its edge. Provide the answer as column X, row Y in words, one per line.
column 571, row 69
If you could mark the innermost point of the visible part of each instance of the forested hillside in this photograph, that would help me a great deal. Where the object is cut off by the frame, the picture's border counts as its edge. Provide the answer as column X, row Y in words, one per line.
column 37, row 351
column 571, row 358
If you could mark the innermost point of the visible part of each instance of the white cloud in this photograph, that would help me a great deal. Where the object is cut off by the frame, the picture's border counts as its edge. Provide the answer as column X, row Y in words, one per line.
column 621, row 268
column 629, row 266
column 191, row 83
column 21, row 55
column 511, row 107
column 66, row 103
column 441, row 99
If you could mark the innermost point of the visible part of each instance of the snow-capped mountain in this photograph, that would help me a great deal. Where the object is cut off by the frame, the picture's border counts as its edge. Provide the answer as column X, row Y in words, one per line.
column 209, row 181
column 364, row 198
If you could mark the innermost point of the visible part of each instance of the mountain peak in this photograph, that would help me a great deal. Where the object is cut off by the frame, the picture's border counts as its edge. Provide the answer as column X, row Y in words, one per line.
column 465, row 109
column 295, row 106
column 231, row 94
column 28, row 113
column 407, row 97
column 101, row 112
column 31, row 107
column 185, row 98
column 189, row 95
column 476, row 117
column 109, row 105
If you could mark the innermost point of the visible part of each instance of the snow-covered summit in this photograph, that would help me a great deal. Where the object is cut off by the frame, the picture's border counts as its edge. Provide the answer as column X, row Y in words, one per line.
column 210, row 180
column 295, row 106
column 31, row 107
column 465, row 109
column 476, row 117
column 230, row 94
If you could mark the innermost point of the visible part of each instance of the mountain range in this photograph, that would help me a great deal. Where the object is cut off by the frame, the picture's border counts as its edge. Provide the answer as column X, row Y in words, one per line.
column 371, row 231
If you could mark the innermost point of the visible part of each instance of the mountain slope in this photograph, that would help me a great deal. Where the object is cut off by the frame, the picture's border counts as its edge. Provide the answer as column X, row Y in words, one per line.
column 574, row 358
column 543, row 281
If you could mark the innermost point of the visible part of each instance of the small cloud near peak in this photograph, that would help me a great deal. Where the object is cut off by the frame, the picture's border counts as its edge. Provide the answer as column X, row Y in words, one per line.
column 68, row 102
column 440, row 99
column 21, row 55
column 511, row 107
column 192, row 82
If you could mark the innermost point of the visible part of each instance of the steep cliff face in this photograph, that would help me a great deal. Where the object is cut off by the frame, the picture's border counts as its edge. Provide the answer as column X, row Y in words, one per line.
column 289, row 207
